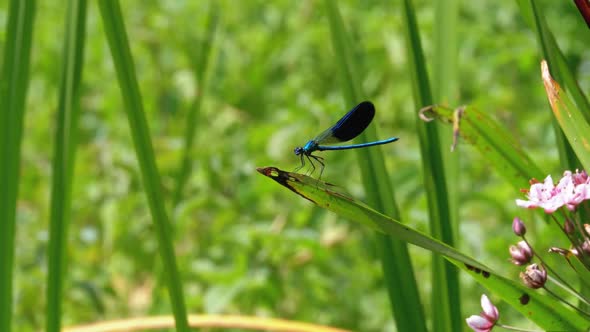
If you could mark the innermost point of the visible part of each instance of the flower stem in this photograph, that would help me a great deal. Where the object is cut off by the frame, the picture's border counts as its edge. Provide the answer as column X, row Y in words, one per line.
column 569, row 290
column 545, row 265
column 566, row 302
column 508, row 327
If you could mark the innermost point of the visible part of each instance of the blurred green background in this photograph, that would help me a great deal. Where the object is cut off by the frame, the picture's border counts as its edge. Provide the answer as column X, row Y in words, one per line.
column 244, row 245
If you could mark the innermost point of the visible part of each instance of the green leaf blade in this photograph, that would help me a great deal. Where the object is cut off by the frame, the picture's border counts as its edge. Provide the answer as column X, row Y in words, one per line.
column 63, row 160
column 570, row 119
column 14, row 82
column 491, row 139
column 118, row 42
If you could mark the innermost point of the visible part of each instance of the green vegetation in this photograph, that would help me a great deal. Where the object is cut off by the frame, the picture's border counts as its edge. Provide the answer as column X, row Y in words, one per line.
column 131, row 133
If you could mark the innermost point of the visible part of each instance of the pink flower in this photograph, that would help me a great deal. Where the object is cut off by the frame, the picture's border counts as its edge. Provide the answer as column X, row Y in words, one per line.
column 542, row 195
column 575, row 188
column 571, row 190
column 487, row 319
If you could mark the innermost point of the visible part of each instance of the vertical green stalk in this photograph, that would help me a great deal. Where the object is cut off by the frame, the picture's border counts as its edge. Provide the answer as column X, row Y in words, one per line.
column 445, row 48
column 395, row 261
column 63, row 159
column 14, row 82
column 118, row 42
column 199, row 70
column 445, row 288
column 445, row 91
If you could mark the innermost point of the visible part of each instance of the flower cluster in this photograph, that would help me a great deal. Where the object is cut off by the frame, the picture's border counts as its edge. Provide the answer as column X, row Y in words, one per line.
column 570, row 191
column 567, row 196
column 535, row 276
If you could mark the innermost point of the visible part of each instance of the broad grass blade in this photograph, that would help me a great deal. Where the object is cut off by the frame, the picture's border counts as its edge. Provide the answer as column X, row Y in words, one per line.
column 491, row 139
column 14, row 82
column 63, row 159
column 570, row 119
column 117, row 38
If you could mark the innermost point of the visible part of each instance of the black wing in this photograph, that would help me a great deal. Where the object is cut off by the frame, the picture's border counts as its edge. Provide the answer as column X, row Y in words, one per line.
column 354, row 122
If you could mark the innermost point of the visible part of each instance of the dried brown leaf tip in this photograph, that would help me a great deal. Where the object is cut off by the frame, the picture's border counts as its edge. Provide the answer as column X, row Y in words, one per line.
column 584, row 9
column 551, row 86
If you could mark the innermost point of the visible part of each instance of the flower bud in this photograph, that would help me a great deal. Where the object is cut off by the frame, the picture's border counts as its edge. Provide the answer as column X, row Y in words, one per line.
column 521, row 253
column 534, row 276
column 487, row 319
column 585, row 246
column 518, row 227
column 563, row 252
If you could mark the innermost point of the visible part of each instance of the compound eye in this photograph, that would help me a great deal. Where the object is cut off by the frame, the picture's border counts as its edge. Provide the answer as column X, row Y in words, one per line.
column 298, row 150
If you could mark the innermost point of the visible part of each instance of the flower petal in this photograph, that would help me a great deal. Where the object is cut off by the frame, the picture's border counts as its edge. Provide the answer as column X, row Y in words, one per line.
column 526, row 204
column 479, row 324
column 489, row 309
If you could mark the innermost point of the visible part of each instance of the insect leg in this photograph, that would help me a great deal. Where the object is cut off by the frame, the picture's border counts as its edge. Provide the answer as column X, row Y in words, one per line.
column 321, row 161
column 312, row 169
column 302, row 163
